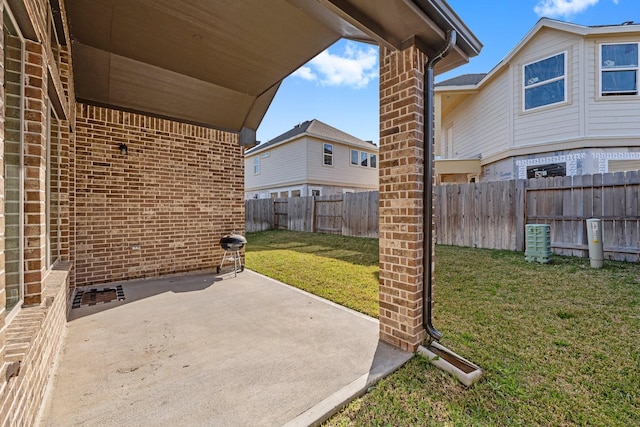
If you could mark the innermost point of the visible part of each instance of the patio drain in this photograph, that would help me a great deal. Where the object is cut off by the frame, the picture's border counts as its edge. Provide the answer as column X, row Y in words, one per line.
column 95, row 296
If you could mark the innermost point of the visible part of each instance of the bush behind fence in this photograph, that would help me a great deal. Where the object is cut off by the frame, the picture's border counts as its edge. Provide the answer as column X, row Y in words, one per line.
column 485, row 215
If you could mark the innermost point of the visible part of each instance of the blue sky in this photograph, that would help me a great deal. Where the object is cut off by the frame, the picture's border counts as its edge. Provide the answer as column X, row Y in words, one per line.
column 340, row 86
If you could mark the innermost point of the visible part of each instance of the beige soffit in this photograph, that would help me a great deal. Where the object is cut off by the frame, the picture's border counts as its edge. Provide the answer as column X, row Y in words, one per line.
column 219, row 63
column 456, row 166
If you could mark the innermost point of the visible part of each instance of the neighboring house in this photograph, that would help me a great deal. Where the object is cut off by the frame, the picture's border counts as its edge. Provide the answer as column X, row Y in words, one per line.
column 563, row 102
column 312, row 159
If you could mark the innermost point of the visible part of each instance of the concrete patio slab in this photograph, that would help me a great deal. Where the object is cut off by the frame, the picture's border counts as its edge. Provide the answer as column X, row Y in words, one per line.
column 218, row 350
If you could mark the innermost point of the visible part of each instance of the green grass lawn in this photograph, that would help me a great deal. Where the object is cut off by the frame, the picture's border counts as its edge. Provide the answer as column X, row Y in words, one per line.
column 560, row 343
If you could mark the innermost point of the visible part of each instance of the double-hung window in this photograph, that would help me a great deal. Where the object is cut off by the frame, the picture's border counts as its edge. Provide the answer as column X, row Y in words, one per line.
column 327, row 154
column 354, row 157
column 619, row 69
column 545, row 82
column 256, row 165
column 364, row 159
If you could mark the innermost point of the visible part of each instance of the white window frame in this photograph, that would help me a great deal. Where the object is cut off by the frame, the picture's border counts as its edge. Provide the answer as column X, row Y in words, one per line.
column 537, row 84
column 357, row 153
column 256, row 165
column 373, row 160
column 326, row 156
column 364, row 159
column 602, row 70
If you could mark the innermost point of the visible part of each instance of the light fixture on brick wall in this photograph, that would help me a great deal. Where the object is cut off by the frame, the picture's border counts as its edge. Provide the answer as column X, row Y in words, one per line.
column 124, row 150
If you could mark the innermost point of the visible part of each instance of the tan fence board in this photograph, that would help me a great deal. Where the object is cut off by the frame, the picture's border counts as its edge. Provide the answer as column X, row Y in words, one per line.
column 487, row 215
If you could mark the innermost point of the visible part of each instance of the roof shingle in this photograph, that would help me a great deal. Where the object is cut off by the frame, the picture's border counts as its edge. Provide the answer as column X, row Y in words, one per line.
column 315, row 128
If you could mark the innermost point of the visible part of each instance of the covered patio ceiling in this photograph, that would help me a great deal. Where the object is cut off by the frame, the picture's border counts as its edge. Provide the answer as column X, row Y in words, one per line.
column 219, row 63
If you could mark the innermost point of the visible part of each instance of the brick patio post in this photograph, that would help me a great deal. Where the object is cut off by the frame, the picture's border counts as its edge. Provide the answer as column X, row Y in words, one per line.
column 401, row 209
column 35, row 164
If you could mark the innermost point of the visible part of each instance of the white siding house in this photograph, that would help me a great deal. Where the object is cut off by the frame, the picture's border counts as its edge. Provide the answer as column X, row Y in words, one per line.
column 564, row 101
column 312, row 159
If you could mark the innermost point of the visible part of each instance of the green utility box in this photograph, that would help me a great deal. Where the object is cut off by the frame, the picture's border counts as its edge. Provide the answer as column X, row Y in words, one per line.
column 538, row 240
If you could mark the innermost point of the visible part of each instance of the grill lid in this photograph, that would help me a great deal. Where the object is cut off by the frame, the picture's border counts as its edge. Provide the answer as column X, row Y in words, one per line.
column 233, row 242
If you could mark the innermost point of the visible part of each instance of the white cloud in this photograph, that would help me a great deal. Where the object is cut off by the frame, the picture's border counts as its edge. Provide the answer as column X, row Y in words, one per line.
column 355, row 67
column 563, row 8
column 305, row 73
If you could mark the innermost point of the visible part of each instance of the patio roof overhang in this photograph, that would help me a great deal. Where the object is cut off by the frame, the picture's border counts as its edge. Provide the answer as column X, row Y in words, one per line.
column 219, row 63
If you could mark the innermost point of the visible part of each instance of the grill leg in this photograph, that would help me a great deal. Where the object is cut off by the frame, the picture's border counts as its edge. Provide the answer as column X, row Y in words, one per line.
column 237, row 262
column 224, row 256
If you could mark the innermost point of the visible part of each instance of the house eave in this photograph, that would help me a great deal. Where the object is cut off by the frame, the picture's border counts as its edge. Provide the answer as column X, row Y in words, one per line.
column 258, row 149
column 586, row 32
column 183, row 59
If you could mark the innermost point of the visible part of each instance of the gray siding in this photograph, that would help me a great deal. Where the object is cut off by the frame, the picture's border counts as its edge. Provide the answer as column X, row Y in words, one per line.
column 341, row 172
column 284, row 165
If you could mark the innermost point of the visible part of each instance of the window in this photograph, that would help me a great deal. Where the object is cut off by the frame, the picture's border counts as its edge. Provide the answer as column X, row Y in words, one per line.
column 619, row 69
column 13, row 171
column 364, row 159
column 544, row 82
column 284, row 194
column 256, row 165
column 273, row 195
column 315, row 193
column 53, row 188
column 295, row 193
column 354, row 157
column 328, row 154
column 546, row 171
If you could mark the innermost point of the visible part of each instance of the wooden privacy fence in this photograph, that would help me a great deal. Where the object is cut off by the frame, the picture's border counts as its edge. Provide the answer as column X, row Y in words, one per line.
column 350, row 214
column 493, row 214
column 485, row 215
column 481, row 215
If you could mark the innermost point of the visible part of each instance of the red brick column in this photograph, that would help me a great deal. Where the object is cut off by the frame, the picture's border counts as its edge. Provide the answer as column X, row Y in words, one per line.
column 35, row 163
column 401, row 209
column 66, row 158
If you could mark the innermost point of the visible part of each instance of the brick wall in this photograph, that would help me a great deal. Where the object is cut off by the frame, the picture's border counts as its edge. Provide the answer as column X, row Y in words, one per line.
column 160, row 209
column 32, row 338
column 401, row 210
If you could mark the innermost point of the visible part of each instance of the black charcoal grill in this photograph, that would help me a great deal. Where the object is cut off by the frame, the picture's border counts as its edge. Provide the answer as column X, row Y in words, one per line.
column 232, row 244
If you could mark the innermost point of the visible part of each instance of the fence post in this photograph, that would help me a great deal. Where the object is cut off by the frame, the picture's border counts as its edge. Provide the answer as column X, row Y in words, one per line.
column 520, row 212
column 313, row 215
